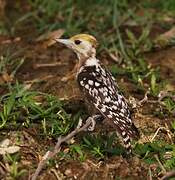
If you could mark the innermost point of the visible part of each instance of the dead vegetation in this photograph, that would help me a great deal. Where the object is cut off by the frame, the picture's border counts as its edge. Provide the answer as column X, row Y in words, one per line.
column 37, row 106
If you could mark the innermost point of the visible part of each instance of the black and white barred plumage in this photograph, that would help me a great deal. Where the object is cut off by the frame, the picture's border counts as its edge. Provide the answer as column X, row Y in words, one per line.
column 100, row 89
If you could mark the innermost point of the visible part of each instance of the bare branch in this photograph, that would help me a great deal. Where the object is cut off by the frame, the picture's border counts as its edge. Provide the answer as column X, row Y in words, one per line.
column 168, row 175
column 164, row 94
column 145, row 99
column 160, row 164
column 49, row 65
column 51, row 154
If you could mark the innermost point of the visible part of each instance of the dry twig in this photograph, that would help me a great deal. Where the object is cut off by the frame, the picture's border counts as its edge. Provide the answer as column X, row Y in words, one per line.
column 150, row 174
column 145, row 99
column 134, row 103
column 54, row 171
column 168, row 175
column 51, row 154
column 166, row 128
column 36, row 66
column 160, row 164
column 156, row 133
column 164, row 94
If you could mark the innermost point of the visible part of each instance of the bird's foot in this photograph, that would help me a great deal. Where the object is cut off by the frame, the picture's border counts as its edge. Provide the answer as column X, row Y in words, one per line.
column 80, row 123
column 94, row 118
column 91, row 127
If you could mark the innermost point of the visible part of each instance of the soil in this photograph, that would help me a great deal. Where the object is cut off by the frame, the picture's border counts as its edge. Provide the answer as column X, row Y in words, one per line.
column 48, row 79
column 44, row 69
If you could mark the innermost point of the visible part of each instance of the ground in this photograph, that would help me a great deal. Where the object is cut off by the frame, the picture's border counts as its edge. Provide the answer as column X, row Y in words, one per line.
column 35, row 97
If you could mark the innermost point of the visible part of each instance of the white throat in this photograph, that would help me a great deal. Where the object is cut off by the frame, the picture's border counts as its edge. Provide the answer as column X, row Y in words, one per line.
column 86, row 54
column 92, row 61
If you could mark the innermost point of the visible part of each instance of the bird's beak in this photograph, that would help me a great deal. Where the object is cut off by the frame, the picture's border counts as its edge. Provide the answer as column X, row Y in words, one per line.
column 66, row 42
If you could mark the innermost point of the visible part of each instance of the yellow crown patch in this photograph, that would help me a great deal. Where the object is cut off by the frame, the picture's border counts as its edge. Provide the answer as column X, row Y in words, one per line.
column 85, row 37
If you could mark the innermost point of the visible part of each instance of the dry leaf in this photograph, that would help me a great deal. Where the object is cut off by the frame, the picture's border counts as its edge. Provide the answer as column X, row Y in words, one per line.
column 165, row 38
column 4, row 143
column 169, row 34
column 9, row 150
column 5, row 148
column 48, row 38
column 6, row 77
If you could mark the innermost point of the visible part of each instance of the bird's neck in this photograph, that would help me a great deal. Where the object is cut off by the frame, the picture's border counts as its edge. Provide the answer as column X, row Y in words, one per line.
column 88, row 59
column 84, row 55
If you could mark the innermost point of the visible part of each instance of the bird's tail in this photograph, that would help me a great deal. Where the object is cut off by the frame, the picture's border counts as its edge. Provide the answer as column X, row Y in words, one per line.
column 127, row 134
column 127, row 142
column 133, row 132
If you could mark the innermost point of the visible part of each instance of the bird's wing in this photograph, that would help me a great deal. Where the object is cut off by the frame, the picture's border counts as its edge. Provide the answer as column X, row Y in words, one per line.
column 100, row 89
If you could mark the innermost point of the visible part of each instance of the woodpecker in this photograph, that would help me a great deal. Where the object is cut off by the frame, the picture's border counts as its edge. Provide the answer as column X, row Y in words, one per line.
column 100, row 89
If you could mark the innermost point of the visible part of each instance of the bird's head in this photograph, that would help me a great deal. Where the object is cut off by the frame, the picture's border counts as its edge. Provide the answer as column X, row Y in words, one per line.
column 83, row 45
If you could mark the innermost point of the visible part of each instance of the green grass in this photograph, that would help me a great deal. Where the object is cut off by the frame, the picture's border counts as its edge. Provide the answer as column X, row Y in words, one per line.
column 15, row 171
column 10, row 62
column 99, row 18
column 102, row 145
column 161, row 5
column 105, row 19
column 115, row 24
column 23, row 107
column 137, row 70
column 156, row 151
column 3, row 29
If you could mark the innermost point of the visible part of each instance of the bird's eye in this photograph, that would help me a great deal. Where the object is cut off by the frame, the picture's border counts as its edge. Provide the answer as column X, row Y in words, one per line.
column 77, row 42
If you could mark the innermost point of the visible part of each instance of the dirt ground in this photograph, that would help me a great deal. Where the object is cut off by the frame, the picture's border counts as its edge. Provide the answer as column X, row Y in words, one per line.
column 44, row 69
column 48, row 79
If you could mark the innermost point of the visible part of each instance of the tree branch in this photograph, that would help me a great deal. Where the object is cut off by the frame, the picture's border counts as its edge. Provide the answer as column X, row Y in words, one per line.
column 168, row 175
column 51, row 154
